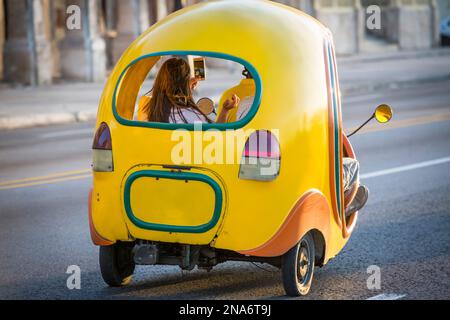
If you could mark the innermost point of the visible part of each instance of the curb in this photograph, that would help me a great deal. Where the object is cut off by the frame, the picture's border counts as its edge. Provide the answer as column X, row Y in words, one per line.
column 396, row 55
column 364, row 88
column 35, row 120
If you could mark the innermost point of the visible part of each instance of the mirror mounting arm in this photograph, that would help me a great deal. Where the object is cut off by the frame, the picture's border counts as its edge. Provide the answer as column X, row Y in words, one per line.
column 360, row 127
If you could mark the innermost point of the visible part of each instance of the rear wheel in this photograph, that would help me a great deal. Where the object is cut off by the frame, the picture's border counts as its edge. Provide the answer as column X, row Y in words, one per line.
column 117, row 263
column 297, row 267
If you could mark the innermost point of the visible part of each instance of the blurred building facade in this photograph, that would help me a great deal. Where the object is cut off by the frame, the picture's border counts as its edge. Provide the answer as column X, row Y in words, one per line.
column 38, row 47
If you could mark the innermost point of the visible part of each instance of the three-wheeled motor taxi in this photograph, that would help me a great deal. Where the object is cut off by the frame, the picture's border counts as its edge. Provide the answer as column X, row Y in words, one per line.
column 265, row 186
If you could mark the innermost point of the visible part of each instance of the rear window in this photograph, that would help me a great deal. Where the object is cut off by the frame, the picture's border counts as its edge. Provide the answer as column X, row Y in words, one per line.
column 179, row 89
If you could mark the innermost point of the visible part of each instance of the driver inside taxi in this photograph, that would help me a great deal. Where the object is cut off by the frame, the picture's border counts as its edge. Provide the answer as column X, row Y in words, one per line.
column 171, row 98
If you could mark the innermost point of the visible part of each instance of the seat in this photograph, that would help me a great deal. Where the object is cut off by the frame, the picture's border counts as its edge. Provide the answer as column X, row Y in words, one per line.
column 245, row 90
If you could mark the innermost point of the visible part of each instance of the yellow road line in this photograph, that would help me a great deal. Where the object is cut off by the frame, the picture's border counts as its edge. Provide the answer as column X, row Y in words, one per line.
column 374, row 127
column 36, row 183
column 46, row 177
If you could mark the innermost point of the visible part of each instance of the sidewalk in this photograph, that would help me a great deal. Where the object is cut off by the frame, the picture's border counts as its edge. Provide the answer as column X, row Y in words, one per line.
column 392, row 70
column 73, row 102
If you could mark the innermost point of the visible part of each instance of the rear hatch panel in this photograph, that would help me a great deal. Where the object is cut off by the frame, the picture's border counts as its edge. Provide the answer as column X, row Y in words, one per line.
column 173, row 205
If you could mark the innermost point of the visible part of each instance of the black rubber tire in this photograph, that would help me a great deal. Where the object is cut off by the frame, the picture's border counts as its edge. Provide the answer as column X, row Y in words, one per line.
column 294, row 283
column 117, row 263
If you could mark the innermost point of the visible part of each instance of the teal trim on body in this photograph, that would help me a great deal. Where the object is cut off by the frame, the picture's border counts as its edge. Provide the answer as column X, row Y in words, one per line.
column 176, row 176
column 336, row 132
column 190, row 126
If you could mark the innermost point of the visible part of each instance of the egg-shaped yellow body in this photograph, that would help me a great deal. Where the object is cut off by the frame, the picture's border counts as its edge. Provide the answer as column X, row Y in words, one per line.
column 297, row 99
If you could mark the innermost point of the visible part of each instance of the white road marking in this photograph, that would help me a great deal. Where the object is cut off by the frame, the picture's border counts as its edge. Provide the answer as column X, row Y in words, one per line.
column 66, row 133
column 405, row 168
column 387, row 296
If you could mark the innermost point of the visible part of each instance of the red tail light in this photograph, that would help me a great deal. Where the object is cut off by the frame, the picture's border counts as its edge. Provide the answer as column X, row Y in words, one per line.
column 102, row 150
column 102, row 139
column 261, row 158
column 262, row 144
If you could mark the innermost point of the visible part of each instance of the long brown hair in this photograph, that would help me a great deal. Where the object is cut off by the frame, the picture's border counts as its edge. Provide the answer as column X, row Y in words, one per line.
column 172, row 90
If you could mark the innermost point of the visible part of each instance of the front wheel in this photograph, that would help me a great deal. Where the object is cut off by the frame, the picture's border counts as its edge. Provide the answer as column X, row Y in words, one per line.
column 117, row 263
column 297, row 267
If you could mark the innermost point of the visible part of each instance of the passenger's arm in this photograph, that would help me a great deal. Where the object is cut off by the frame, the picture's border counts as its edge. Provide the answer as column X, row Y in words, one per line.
column 227, row 106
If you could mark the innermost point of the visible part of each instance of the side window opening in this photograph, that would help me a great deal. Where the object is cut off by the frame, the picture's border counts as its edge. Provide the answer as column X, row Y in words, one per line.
column 215, row 81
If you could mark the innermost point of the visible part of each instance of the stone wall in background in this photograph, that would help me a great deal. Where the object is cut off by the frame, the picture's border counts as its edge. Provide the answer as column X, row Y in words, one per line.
column 412, row 24
column 37, row 47
column 342, row 18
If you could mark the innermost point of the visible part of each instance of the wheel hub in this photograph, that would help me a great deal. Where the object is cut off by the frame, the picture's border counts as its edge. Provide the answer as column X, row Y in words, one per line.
column 303, row 263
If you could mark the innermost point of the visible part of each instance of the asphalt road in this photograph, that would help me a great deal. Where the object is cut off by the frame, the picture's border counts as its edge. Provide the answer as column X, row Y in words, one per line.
column 404, row 229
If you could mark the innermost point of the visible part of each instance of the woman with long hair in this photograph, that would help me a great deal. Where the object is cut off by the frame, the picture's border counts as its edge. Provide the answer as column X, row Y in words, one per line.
column 171, row 97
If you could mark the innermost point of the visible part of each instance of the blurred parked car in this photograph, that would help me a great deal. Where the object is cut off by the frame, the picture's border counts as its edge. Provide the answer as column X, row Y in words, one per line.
column 445, row 31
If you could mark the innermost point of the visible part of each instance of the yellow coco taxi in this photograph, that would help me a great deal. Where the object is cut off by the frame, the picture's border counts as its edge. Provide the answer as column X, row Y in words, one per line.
column 277, row 197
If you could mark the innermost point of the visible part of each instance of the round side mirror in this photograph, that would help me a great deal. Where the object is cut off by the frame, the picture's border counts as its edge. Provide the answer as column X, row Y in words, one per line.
column 206, row 105
column 383, row 113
